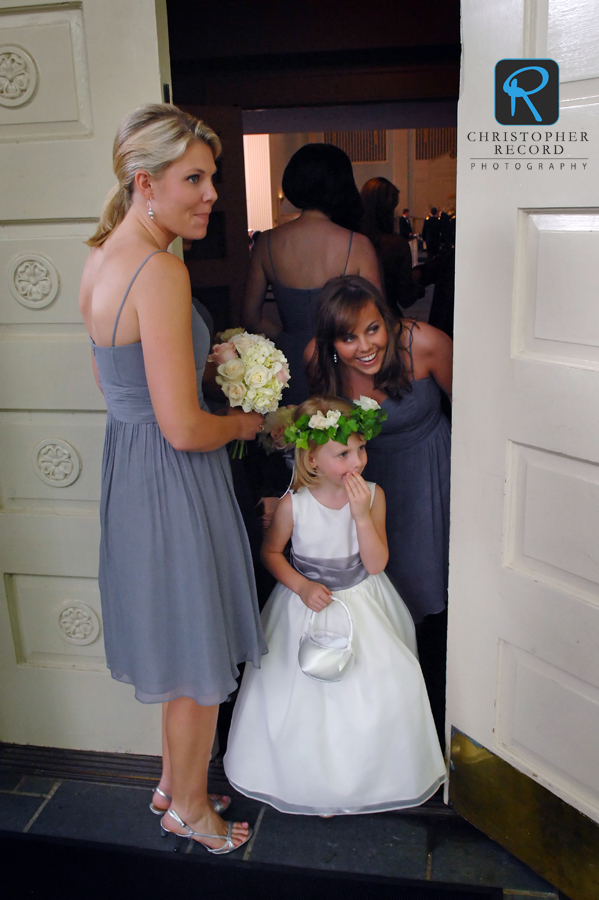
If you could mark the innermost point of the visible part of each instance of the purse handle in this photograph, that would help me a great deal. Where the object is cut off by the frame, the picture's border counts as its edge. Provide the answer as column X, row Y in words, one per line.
column 350, row 620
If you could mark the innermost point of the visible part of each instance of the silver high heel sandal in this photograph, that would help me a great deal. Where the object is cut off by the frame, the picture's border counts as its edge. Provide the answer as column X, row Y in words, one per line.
column 227, row 847
column 219, row 806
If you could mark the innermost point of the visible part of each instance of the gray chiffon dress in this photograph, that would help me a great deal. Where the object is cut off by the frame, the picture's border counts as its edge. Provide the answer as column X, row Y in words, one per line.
column 410, row 459
column 176, row 579
column 297, row 309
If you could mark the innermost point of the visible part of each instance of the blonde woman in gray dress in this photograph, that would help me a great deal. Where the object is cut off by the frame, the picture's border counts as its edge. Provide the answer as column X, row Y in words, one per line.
column 176, row 579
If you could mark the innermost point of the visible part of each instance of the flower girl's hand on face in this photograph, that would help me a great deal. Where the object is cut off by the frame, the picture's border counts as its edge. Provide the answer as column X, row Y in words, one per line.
column 316, row 596
column 359, row 496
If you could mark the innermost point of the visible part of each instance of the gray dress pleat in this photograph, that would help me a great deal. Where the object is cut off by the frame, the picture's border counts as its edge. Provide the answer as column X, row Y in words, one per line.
column 176, row 579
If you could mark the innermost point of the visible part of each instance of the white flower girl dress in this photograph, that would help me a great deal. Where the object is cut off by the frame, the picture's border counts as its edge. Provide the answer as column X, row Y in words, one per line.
column 364, row 744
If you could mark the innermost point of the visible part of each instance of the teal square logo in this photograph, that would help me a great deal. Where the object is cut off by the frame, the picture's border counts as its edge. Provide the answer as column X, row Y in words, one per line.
column 527, row 92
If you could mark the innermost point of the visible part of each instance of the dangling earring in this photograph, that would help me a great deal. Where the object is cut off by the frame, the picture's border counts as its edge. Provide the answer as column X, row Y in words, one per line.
column 335, row 360
column 150, row 211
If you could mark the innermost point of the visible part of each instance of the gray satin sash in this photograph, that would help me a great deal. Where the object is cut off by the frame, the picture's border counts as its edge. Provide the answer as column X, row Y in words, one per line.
column 337, row 574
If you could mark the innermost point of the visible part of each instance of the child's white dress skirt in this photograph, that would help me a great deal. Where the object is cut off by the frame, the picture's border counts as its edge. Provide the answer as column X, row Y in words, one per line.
column 364, row 744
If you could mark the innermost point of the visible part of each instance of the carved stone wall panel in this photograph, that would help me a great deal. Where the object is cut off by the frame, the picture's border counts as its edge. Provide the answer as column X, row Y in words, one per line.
column 33, row 281
column 40, row 270
column 44, row 81
column 79, row 623
column 56, row 621
column 18, row 76
column 56, row 462
column 51, row 460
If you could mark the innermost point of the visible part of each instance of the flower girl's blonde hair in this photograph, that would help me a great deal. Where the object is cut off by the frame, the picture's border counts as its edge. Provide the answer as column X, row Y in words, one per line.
column 303, row 473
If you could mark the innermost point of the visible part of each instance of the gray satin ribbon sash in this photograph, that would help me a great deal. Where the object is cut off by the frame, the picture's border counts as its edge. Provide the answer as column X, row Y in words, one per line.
column 337, row 574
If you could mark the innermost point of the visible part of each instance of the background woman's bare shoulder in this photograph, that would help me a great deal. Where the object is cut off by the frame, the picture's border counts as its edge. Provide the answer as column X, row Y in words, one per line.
column 427, row 339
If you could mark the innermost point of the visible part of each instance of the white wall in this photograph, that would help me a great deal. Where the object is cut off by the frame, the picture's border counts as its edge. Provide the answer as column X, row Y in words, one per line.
column 256, row 152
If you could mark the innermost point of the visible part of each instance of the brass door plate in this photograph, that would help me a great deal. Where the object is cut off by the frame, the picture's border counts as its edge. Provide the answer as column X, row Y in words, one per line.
column 554, row 839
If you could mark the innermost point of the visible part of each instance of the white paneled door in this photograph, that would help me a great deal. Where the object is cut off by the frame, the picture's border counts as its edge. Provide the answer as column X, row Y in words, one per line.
column 68, row 74
column 523, row 677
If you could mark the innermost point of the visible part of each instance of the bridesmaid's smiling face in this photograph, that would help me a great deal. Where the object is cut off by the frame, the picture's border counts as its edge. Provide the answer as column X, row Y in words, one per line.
column 363, row 348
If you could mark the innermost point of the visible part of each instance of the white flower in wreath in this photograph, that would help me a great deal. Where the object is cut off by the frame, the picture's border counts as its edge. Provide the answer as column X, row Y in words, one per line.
column 367, row 403
column 32, row 280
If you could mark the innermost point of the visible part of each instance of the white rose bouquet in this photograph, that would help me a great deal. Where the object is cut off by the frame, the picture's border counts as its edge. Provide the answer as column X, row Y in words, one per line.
column 252, row 374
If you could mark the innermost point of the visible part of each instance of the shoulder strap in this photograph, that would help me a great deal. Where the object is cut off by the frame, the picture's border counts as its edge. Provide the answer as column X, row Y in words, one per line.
column 272, row 265
column 118, row 315
column 410, row 342
column 351, row 237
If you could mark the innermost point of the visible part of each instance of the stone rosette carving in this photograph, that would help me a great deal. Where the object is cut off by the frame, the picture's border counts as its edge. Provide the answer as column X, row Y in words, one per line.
column 56, row 462
column 33, row 280
column 18, row 76
column 78, row 622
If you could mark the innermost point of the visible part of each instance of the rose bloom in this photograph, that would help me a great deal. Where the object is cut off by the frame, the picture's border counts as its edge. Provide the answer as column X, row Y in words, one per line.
column 257, row 376
column 222, row 353
column 233, row 369
column 235, row 392
column 243, row 342
column 283, row 374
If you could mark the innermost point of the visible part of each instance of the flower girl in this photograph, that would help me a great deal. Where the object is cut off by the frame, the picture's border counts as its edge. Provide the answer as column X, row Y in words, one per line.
column 366, row 742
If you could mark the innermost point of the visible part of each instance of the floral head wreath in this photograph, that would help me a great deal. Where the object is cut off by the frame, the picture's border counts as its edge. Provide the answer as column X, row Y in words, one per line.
column 365, row 418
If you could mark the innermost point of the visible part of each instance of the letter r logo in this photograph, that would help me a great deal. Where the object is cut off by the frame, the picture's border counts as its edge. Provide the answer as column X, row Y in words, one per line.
column 527, row 92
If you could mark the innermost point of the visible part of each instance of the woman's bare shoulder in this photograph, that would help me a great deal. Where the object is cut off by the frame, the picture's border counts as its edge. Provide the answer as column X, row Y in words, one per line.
column 425, row 338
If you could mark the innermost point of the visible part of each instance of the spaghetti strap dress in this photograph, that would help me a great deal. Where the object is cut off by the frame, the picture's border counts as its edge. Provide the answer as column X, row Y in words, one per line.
column 297, row 309
column 410, row 459
column 364, row 744
column 179, row 605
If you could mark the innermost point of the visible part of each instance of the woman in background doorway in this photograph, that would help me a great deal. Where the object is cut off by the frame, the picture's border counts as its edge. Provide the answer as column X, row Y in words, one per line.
column 299, row 257
column 380, row 198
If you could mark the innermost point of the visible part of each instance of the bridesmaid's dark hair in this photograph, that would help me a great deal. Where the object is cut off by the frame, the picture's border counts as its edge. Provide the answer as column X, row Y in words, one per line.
column 320, row 176
column 380, row 197
column 340, row 303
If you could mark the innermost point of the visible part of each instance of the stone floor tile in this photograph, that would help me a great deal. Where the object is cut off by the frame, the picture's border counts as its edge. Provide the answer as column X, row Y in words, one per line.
column 34, row 785
column 372, row 844
column 100, row 812
column 114, row 814
column 16, row 811
column 463, row 854
column 9, row 780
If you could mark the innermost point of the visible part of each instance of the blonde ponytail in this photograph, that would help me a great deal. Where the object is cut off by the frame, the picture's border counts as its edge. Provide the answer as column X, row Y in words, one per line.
column 150, row 138
column 113, row 212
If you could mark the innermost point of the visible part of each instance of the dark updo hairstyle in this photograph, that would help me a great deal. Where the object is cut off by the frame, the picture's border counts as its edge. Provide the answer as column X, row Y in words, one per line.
column 340, row 303
column 320, row 176
column 380, row 197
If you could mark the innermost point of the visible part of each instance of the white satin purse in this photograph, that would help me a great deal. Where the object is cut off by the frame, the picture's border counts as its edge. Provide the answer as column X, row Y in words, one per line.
column 326, row 655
